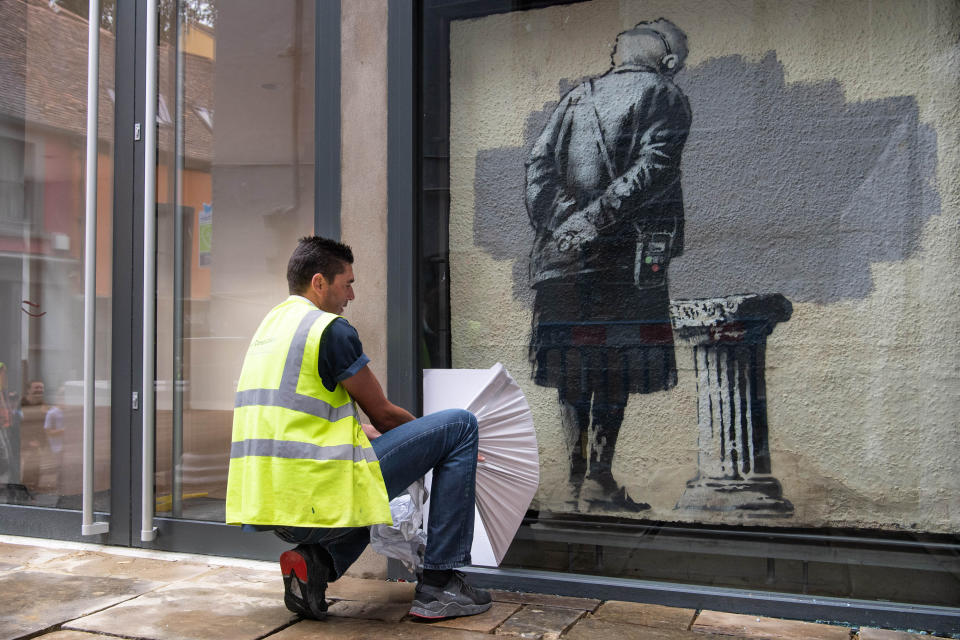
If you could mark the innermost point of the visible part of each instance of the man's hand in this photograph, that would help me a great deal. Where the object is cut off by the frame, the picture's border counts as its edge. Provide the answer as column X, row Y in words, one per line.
column 370, row 431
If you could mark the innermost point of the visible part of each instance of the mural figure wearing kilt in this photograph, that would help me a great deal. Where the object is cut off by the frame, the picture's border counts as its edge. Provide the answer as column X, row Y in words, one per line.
column 604, row 198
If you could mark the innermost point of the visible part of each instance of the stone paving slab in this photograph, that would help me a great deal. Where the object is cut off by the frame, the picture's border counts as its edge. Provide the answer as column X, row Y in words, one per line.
column 539, row 623
column 347, row 629
column 10, row 630
column 484, row 622
column 546, row 600
column 93, row 563
column 383, row 611
column 870, row 633
column 33, row 601
column 253, row 582
column 647, row 615
column 20, row 555
column 190, row 611
column 347, row 588
column 743, row 626
column 592, row 628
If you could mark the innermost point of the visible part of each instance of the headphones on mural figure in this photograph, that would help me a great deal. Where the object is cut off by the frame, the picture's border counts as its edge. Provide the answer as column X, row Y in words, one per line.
column 669, row 60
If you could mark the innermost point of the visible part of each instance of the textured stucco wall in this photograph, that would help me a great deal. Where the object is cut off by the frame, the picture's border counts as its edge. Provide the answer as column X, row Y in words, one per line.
column 823, row 163
column 363, row 161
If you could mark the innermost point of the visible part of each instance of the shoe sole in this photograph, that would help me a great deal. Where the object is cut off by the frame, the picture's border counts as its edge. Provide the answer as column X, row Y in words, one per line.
column 449, row 610
column 293, row 562
column 293, row 566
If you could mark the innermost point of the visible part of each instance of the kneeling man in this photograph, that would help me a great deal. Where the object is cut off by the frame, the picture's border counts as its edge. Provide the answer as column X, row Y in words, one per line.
column 303, row 466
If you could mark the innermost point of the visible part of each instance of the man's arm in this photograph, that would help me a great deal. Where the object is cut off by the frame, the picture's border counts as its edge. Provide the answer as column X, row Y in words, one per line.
column 365, row 389
column 53, row 422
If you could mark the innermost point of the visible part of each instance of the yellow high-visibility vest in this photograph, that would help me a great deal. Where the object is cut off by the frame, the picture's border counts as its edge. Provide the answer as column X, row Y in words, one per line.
column 298, row 455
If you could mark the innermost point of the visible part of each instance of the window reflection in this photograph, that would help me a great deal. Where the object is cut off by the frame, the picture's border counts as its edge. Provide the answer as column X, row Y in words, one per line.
column 234, row 192
column 43, row 96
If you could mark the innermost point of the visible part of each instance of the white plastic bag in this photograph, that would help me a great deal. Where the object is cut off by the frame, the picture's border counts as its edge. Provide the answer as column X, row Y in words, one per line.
column 406, row 539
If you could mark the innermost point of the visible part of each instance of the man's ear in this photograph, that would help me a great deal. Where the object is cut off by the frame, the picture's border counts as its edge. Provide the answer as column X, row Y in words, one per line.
column 669, row 62
column 318, row 282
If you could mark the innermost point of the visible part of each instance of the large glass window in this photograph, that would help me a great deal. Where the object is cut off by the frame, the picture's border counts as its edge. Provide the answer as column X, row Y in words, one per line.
column 235, row 171
column 714, row 245
column 43, row 98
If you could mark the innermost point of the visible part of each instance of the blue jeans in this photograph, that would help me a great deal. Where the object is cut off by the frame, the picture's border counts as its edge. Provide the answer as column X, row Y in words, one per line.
column 446, row 442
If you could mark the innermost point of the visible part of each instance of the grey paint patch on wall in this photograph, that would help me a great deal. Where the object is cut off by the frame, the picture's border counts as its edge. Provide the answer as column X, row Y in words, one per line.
column 788, row 187
column 501, row 225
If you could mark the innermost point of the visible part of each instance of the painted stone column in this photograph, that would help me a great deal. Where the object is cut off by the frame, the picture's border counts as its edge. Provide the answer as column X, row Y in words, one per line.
column 729, row 338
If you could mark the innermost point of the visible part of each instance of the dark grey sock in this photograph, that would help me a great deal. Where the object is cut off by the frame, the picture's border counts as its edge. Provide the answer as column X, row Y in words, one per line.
column 437, row 577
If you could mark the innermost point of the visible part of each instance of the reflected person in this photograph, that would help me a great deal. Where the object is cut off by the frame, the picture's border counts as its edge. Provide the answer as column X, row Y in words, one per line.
column 54, row 430
column 33, row 437
column 604, row 198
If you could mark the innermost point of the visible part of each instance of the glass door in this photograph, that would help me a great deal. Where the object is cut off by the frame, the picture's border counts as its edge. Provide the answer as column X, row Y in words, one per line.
column 56, row 261
column 226, row 171
column 234, row 191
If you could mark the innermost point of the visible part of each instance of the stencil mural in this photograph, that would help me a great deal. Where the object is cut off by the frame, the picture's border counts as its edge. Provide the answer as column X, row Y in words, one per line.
column 702, row 233
column 604, row 197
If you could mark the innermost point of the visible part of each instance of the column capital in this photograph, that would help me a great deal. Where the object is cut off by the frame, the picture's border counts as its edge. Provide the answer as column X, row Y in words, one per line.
column 738, row 318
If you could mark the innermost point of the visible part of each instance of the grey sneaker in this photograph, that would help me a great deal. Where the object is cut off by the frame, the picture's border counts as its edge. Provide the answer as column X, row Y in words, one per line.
column 456, row 598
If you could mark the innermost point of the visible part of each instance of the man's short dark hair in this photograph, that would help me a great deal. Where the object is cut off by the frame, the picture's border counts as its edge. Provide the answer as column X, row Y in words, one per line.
column 316, row 255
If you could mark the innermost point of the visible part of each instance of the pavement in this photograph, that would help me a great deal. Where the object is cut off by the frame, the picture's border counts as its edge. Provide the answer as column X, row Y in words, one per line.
column 72, row 591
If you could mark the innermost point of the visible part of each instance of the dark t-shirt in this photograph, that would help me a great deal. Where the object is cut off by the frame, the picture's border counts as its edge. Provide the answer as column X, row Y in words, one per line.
column 341, row 354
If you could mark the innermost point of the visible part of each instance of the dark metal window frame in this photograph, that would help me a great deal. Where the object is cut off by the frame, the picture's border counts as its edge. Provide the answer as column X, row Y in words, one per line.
column 327, row 133
column 406, row 166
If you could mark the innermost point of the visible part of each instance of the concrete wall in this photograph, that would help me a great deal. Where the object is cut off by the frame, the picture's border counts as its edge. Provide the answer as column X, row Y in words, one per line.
column 363, row 159
column 363, row 190
column 822, row 164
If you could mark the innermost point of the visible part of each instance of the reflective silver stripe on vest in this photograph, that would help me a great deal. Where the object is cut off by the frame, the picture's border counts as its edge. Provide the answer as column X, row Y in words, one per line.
column 286, row 396
column 291, row 368
column 298, row 402
column 301, row 450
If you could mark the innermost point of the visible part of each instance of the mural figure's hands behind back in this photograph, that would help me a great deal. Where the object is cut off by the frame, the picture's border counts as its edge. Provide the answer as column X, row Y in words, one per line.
column 575, row 232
